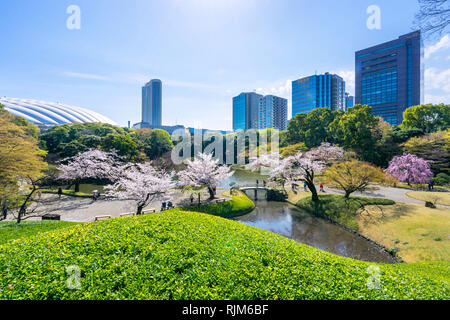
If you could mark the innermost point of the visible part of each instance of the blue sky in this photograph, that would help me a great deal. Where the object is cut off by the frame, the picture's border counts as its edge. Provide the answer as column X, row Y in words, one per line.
column 204, row 51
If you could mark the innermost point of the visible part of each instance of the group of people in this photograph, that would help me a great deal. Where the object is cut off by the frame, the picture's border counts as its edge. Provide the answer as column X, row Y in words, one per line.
column 167, row 205
column 264, row 183
column 95, row 195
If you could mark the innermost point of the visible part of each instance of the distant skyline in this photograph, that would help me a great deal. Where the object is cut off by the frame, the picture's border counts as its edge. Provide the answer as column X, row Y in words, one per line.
column 205, row 52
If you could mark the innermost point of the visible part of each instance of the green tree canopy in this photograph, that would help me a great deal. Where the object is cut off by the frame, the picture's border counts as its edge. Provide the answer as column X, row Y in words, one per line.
column 355, row 129
column 428, row 118
column 312, row 128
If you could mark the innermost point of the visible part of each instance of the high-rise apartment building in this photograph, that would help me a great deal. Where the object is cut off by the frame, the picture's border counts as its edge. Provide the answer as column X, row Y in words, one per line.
column 325, row 90
column 349, row 101
column 272, row 112
column 152, row 103
column 389, row 76
column 245, row 111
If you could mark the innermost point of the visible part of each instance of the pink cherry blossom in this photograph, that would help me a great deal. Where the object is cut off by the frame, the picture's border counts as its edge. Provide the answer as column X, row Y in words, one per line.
column 204, row 172
column 141, row 183
column 410, row 168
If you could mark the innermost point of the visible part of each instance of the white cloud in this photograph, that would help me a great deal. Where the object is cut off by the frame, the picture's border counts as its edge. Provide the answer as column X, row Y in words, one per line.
column 444, row 43
column 436, row 99
column 349, row 78
column 87, row 76
column 435, row 79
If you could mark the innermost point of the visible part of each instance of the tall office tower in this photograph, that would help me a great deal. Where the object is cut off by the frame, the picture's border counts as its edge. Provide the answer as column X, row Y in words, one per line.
column 245, row 111
column 349, row 101
column 152, row 103
column 325, row 90
column 389, row 76
column 273, row 113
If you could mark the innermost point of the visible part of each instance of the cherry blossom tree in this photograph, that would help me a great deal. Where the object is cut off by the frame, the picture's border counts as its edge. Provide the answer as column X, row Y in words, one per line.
column 307, row 165
column 90, row 164
column 410, row 168
column 279, row 169
column 204, row 172
column 141, row 183
column 302, row 166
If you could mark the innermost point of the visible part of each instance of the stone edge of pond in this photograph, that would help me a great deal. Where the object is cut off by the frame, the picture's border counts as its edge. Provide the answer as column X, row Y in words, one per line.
column 380, row 247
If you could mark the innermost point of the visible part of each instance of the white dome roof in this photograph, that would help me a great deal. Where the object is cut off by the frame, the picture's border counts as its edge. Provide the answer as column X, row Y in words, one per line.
column 49, row 113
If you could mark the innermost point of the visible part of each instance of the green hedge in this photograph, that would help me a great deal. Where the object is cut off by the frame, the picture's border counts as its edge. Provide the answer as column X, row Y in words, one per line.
column 187, row 255
column 338, row 208
column 10, row 230
column 237, row 206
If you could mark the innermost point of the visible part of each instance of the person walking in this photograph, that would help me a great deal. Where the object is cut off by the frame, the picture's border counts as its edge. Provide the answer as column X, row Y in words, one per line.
column 59, row 192
column 264, row 183
column 192, row 198
column 304, row 186
column 257, row 183
column 321, row 188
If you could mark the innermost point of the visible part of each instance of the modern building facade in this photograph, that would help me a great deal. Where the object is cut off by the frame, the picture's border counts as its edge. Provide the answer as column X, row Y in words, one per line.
column 46, row 114
column 272, row 113
column 325, row 90
column 152, row 103
column 389, row 76
column 349, row 101
column 245, row 111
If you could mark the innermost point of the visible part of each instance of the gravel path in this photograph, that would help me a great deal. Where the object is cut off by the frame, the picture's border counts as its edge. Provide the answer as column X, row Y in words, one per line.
column 86, row 209
column 78, row 209
column 396, row 194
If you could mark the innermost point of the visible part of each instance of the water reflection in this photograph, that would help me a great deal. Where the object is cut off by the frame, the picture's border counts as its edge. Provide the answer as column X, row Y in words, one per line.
column 288, row 221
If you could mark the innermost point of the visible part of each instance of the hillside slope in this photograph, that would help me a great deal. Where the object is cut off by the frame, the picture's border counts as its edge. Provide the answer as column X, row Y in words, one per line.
column 185, row 255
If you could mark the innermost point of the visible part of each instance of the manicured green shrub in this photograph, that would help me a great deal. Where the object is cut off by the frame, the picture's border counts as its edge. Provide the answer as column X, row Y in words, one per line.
column 442, row 179
column 237, row 206
column 10, row 230
column 339, row 209
column 185, row 255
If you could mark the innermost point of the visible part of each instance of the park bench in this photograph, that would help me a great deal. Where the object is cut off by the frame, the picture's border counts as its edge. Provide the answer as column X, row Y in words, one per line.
column 98, row 218
column 127, row 214
column 221, row 200
column 148, row 211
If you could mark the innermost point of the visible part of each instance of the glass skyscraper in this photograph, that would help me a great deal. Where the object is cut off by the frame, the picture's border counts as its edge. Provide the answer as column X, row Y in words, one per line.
column 325, row 90
column 152, row 103
column 245, row 111
column 349, row 101
column 272, row 113
column 389, row 76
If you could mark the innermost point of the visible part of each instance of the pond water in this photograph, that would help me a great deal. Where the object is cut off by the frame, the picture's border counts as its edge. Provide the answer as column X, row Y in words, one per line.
column 286, row 220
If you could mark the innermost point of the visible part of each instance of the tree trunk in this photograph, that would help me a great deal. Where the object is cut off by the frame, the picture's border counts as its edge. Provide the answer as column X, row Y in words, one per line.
column 313, row 190
column 347, row 194
column 139, row 210
column 23, row 207
column 199, row 199
column 211, row 193
column 77, row 186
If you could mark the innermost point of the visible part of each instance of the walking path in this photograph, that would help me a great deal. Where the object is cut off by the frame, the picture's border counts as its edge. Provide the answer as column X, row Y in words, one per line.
column 396, row 194
column 86, row 209
column 78, row 209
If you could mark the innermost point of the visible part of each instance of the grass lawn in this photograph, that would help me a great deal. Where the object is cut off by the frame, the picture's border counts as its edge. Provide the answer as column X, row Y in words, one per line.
column 179, row 254
column 10, row 230
column 417, row 232
column 339, row 209
column 68, row 193
column 438, row 197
